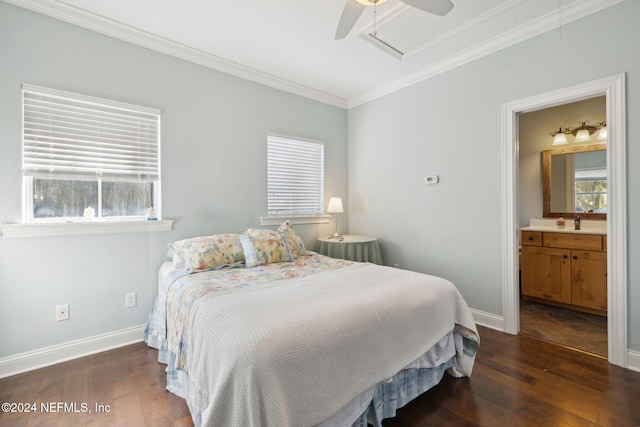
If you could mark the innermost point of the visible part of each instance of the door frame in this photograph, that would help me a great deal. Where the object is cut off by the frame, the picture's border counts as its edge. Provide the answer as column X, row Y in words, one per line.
column 613, row 87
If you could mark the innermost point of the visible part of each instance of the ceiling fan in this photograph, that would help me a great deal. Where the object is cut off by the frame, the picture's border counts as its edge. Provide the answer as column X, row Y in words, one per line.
column 354, row 8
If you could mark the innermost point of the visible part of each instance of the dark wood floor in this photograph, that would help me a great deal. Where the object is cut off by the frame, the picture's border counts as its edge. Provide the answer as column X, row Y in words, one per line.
column 517, row 381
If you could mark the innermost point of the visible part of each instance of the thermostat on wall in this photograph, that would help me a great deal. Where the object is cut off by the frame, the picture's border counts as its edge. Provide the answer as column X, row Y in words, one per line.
column 431, row 179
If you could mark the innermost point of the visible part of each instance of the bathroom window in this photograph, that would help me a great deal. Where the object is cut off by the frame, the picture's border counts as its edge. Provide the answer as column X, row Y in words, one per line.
column 591, row 190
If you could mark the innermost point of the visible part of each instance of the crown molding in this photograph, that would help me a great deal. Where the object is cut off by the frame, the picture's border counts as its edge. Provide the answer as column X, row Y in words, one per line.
column 99, row 24
column 531, row 29
column 81, row 18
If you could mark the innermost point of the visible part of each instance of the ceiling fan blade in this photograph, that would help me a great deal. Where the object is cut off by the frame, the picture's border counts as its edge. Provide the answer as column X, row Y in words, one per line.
column 350, row 14
column 437, row 7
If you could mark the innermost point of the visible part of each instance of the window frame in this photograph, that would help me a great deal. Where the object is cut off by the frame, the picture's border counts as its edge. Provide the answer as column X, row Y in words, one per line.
column 99, row 103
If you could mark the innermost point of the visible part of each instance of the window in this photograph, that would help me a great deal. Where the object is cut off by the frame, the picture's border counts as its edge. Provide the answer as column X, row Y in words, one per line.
column 295, row 176
column 80, row 152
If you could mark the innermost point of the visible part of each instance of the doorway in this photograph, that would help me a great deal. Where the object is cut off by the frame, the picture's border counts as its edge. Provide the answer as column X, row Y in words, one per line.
column 542, row 318
column 614, row 89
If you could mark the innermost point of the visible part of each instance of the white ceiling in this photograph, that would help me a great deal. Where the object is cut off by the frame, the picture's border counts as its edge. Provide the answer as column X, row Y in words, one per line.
column 289, row 44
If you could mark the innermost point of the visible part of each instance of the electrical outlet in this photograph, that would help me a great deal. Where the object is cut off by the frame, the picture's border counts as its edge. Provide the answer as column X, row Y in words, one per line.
column 130, row 300
column 62, row 312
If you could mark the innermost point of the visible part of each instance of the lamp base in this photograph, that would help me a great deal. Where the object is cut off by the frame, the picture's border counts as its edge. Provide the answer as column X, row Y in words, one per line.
column 337, row 236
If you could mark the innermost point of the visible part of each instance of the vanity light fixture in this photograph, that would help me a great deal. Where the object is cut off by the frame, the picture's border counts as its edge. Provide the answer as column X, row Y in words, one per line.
column 582, row 133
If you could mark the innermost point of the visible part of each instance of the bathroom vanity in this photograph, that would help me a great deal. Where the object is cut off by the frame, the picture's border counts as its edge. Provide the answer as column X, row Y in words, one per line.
column 565, row 267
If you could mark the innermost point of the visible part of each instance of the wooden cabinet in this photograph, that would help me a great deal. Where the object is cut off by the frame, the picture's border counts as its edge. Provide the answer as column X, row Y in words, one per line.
column 565, row 269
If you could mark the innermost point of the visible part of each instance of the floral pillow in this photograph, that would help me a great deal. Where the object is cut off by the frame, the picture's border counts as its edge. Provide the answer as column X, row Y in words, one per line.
column 208, row 252
column 262, row 246
column 296, row 246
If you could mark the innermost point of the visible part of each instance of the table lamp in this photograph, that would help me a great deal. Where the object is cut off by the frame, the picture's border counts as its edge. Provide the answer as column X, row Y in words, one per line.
column 335, row 207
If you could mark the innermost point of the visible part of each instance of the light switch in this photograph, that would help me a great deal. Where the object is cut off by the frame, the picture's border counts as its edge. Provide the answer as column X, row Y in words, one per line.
column 431, row 179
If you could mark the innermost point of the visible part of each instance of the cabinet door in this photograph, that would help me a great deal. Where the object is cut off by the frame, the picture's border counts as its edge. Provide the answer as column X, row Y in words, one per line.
column 589, row 279
column 546, row 273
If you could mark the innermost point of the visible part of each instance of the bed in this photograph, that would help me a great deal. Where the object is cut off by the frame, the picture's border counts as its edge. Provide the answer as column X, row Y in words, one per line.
column 257, row 331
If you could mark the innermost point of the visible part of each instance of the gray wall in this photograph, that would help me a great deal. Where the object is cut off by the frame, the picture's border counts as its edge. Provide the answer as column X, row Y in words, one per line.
column 450, row 125
column 213, row 149
column 214, row 129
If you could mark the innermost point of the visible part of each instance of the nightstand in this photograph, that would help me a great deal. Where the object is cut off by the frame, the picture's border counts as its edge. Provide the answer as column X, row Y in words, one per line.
column 351, row 247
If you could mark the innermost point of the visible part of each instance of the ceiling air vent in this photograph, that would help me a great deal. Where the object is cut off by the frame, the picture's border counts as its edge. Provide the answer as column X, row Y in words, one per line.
column 404, row 32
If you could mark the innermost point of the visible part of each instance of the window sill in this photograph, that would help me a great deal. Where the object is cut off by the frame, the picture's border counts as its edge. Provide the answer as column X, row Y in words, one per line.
column 301, row 219
column 16, row 231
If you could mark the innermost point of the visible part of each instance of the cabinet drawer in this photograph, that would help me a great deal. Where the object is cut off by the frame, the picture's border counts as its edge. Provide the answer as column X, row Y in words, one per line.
column 531, row 238
column 588, row 242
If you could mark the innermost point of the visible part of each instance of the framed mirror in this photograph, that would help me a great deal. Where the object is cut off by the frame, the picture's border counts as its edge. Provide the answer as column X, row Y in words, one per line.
column 574, row 182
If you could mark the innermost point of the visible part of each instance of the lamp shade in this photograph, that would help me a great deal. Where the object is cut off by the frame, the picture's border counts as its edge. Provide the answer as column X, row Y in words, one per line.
column 582, row 136
column 335, row 205
column 560, row 139
column 602, row 133
column 584, row 132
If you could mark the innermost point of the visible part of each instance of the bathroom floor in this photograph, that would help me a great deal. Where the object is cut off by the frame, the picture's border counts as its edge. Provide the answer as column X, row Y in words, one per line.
column 583, row 331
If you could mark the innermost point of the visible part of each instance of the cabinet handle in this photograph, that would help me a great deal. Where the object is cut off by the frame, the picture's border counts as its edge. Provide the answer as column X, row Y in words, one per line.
column 575, row 257
column 565, row 256
column 530, row 239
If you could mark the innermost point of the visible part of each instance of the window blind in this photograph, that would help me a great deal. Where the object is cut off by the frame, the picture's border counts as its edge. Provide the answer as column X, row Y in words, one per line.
column 295, row 178
column 76, row 136
column 591, row 174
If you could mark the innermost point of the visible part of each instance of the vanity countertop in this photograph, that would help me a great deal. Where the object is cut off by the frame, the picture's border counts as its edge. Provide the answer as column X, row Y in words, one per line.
column 568, row 229
column 548, row 225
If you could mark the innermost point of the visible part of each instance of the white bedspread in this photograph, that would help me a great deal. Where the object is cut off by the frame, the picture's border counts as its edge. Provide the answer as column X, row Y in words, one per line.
column 292, row 353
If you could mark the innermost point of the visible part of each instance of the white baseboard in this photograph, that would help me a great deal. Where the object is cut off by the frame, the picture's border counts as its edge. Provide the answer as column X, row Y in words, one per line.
column 47, row 356
column 633, row 360
column 488, row 320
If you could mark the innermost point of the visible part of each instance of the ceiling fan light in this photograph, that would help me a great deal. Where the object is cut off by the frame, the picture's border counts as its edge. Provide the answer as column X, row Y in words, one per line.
column 370, row 2
column 582, row 136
